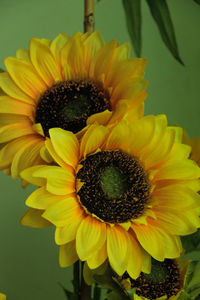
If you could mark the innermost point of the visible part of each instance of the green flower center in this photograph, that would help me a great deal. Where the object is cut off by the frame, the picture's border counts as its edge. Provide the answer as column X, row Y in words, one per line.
column 164, row 280
column 116, row 188
column 68, row 105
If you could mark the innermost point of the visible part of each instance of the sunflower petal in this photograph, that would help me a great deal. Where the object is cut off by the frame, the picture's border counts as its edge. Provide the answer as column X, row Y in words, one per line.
column 135, row 258
column 33, row 218
column 91, row 236
column 28, row 175
column 41, row 199
column 13, row 106
column 67, row 254
column 98, row 258
column 56, row 46
column 13, row 131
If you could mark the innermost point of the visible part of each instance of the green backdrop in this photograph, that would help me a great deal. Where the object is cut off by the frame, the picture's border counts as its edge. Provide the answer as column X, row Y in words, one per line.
column 29, row 268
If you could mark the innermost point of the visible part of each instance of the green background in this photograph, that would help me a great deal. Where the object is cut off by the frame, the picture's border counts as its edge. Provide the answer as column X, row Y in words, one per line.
column 29, row 268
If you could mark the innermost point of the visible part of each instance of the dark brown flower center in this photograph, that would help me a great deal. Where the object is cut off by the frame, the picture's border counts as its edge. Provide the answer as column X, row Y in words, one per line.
column 68, row 104
column 116, row 187
column 164, row 279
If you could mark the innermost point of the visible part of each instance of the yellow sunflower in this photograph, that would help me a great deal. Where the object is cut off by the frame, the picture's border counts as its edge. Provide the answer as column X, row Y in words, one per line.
column 67, row 83
column 195, row 144
column 2, row 296
column 123, row 193
column 166, row 280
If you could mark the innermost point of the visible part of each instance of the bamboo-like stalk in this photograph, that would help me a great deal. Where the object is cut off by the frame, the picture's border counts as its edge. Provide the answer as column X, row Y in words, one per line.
column 89, row 16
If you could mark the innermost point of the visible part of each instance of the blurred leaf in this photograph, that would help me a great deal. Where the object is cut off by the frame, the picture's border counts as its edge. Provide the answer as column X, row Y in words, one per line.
column 194, row 255
column 1, row 70
column 160, row 12
column 191, row 242
column 184, row 296
column 197, row 1
column 113, row 296
column 68, row 294
column 132, row 10
column 194, row 281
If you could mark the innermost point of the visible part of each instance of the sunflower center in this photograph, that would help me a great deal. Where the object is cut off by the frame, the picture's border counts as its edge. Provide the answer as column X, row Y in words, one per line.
column 68, row 105
column 116, row 187
column 164, row 279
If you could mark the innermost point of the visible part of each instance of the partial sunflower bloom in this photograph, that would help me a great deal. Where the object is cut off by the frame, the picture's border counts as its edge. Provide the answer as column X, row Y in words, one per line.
column 2, row 296
column 67, row 83
column 124, row 194
column 166, row 280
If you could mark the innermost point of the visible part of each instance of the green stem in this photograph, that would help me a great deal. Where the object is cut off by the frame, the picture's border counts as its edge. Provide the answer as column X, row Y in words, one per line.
column 97, row 292
column 85, row 289
column 76, row 280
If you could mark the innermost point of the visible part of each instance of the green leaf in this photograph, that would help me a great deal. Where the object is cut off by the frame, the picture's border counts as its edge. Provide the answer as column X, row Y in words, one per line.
column 194, row 255
column 113, row 296
column 194, row 281
column 132, row 10
column 197, row 1
column 184, row 296
column 160, row 12
column 191, row 242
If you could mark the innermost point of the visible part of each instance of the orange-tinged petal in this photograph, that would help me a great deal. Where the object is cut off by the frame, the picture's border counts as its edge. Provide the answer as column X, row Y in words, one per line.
column 13, row 131
column 93, row 139
column 41, row 199
column 68, row 232
column 135, row 258
column 59, row 181
column 66, row 145
column 118, row 137
column 9, row 150
column 10, row 88
column 63, row 212
column 6, row 119
column 98, row 258
column 26, row 157
column 28, row 175
column 13, row 106
column 25, row 77
column 33, row 218
column 91, row 236
column 67, row 254
column 118, row 248
column 56, row 46
column 44, row 62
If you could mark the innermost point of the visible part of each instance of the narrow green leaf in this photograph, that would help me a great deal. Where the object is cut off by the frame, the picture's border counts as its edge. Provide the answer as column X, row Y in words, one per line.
column 132, row 10
column 197, row 1
column 160, row 12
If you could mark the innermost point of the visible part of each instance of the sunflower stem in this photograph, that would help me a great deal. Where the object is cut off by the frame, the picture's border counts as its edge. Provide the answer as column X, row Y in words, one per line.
column 97, row 292
column 76, row 280
column 85, row 289
column 88, row 16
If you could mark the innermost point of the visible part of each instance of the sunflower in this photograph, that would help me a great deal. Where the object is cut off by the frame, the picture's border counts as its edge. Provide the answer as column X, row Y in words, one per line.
column 122, row 193
column 166, row 280
column 2, row 296
column 195, row 144
column 67, row 83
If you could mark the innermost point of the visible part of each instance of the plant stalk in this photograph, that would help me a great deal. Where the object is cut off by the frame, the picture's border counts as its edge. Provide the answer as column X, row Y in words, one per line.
column 76, row 280
column 85, row 293
column 89, row 16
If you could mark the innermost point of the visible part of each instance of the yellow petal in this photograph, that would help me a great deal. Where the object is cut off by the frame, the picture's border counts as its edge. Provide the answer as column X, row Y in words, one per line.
column 41, row 199
column 66, row 145
column 59, row 181
column 180, row 170
column 44, row 62
column 13, row 106
column 101, row 118
column 33, row 218
column 67, row 254
column 26, row 157
column 68, row 232
column 38, row 128
column 28, row 175
column 10, row 88
column 98, row 258
column 63, row 212
column 8, row 151
column 118, row 137
column 13, row 131
column 93, row 139
column 23, row 54
column 118, row 248
column 6, row 119
column 44, row 153
column 25, row 77
column 135, row 258
column 90, row 237
column 2, row 296
column 146, row 262
column 56, row 46
column 55, row 156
